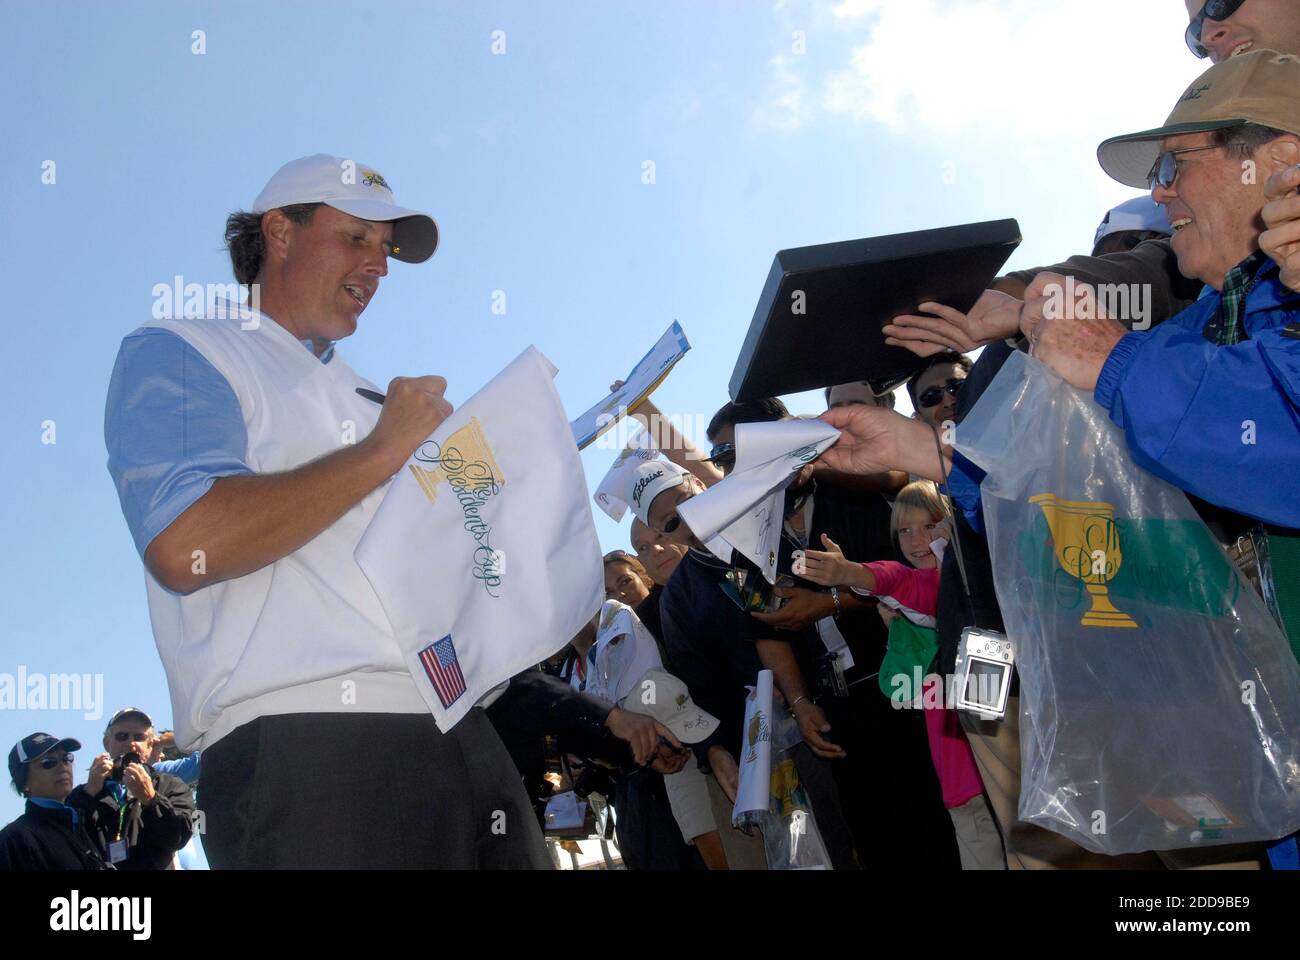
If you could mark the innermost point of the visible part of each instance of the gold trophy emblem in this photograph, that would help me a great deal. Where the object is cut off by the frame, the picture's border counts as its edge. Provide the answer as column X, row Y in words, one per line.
column 1087, row 548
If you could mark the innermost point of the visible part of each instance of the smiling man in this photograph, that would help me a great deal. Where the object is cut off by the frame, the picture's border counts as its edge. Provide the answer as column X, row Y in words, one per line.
column 1214, row 392
column 248, row 468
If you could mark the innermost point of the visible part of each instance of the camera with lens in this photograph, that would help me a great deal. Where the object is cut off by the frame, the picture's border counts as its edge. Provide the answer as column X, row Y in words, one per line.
column 121, row 763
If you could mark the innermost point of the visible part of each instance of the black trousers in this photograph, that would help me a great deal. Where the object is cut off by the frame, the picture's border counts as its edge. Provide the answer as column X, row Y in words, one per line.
column 366, row 790
column 888, row 789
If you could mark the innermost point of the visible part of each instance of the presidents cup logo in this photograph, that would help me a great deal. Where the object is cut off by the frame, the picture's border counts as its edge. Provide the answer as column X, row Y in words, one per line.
column 758, row 732
column 465, row 462
column 372, row 178
column 639, row 487
column 1087, row 547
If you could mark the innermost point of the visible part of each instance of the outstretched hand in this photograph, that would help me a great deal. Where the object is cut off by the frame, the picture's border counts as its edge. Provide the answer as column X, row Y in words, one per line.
column 995, row 316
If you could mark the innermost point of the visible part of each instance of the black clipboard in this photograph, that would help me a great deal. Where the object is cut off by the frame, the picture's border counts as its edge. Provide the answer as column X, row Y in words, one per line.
column 847, row 291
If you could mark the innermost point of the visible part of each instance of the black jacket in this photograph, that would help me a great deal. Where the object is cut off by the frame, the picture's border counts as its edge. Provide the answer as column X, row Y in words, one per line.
column 153, row 834
column 703, row 632
column 44, row 839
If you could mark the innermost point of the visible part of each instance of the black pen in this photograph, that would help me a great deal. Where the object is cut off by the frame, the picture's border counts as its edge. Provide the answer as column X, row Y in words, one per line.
column 371, row 395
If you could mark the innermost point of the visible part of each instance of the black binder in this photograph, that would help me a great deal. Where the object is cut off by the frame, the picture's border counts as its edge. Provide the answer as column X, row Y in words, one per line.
column 847, row 291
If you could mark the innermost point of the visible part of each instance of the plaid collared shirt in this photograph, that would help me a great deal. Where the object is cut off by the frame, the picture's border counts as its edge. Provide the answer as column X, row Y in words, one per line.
column 1225, row 327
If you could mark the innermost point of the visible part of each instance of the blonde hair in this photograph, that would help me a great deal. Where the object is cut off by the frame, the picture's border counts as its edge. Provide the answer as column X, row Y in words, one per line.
column 919, row 495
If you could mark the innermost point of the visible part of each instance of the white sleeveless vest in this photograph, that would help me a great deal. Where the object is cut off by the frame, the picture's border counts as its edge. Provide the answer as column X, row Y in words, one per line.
column 305, row 634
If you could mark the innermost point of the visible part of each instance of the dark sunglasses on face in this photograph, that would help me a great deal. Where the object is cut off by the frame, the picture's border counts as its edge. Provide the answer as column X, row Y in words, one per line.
column 1219, row 10
column 723, row 455
column 122, row 736
column 49, row 763
column 933, row 396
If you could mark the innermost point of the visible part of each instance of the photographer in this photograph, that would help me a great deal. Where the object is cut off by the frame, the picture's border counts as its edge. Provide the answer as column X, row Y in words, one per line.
column 138, row 818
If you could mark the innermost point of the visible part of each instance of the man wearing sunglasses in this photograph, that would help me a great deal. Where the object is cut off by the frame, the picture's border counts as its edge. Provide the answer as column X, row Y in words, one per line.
column 139, row 817
column 50, row 834
column 934, row 390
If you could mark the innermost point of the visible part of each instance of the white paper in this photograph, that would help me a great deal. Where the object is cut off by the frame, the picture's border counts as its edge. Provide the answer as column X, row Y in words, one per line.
column 747, row 508
column 484, row 553
column 640, row 383
column 609, row 495
column 624, row 652
column 754, row 784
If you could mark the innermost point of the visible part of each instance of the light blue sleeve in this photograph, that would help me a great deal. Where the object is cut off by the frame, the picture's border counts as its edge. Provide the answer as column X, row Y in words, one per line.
column 172, row 425
column 187, row 768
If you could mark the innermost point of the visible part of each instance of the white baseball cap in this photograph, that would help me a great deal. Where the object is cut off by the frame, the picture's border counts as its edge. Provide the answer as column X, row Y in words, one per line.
column 661, row 695
column 357, row 190
column 647, row 481
column 1140, row 213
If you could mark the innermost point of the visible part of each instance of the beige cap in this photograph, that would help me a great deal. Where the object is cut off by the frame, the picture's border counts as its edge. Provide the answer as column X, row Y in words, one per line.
column 1260, row 87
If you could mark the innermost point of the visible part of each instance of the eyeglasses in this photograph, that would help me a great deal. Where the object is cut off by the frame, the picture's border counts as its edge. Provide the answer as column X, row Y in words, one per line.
column 933, row 396
column 723, row 455
column 122, row 736
column 1165, row 170
column 49, row 763
column 673, row 522
column 1219, row 10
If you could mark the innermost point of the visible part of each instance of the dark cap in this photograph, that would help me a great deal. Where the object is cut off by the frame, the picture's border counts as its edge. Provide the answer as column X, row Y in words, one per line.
column 130, row 712
column 32, row 748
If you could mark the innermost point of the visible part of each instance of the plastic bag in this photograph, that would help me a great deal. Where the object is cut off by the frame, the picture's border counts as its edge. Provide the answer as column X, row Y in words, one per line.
column 1159, row 701
column 769, row 794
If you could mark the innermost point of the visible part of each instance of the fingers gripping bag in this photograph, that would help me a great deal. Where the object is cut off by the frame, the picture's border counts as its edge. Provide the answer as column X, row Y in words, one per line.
column 1159, row 701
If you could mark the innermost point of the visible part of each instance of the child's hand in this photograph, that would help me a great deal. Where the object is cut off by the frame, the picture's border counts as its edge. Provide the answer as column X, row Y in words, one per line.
column 887, row 614
column 830, row 568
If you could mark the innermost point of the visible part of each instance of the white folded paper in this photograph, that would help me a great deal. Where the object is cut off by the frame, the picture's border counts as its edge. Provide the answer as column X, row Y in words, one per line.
column 746, row 510
column 483, row 553
column 609, row 495
column 754, row 784
column 641, row 382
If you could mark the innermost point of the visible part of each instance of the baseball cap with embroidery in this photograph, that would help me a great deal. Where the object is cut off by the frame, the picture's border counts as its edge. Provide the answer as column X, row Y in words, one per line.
column 33, row 748
column 1257, row 87
column 647, row 481
column 357, row 190
column 661, row 695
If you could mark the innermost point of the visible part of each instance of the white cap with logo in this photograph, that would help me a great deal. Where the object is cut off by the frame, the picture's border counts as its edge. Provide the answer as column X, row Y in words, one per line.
column 357, row 190
column 661, row 695
column 647, row 481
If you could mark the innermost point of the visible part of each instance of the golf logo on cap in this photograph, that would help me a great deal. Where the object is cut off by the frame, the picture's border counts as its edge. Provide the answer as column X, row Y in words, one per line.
column 373, row 178
column 641, row 484
column 1194, row 93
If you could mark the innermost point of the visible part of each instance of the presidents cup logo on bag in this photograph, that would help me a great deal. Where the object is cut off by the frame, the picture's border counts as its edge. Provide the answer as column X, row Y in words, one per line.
column 1088, row 548
column 465, row 462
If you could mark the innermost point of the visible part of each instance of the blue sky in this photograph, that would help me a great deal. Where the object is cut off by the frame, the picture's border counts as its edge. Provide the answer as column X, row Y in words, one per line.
column 769, row 126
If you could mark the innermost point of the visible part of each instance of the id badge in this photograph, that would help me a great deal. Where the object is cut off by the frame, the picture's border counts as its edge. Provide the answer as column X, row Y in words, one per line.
column 985, row 659
column 117, row 851
column 839, row 686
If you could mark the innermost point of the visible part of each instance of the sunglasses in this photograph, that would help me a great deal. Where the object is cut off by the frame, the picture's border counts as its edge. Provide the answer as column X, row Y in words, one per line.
column 122, row 736
column 1165, row 170
column 933, row 396
column 49, row 763
column 1219, row 10
column 723, row 455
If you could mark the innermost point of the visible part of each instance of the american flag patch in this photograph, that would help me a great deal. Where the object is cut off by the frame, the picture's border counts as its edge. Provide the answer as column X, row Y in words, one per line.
column 443, row 668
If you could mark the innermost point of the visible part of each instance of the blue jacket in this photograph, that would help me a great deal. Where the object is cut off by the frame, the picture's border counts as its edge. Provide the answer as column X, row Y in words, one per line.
column 1220, row 422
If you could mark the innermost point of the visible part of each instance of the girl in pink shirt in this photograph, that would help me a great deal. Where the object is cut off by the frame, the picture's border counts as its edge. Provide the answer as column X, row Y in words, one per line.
column 913, row 592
